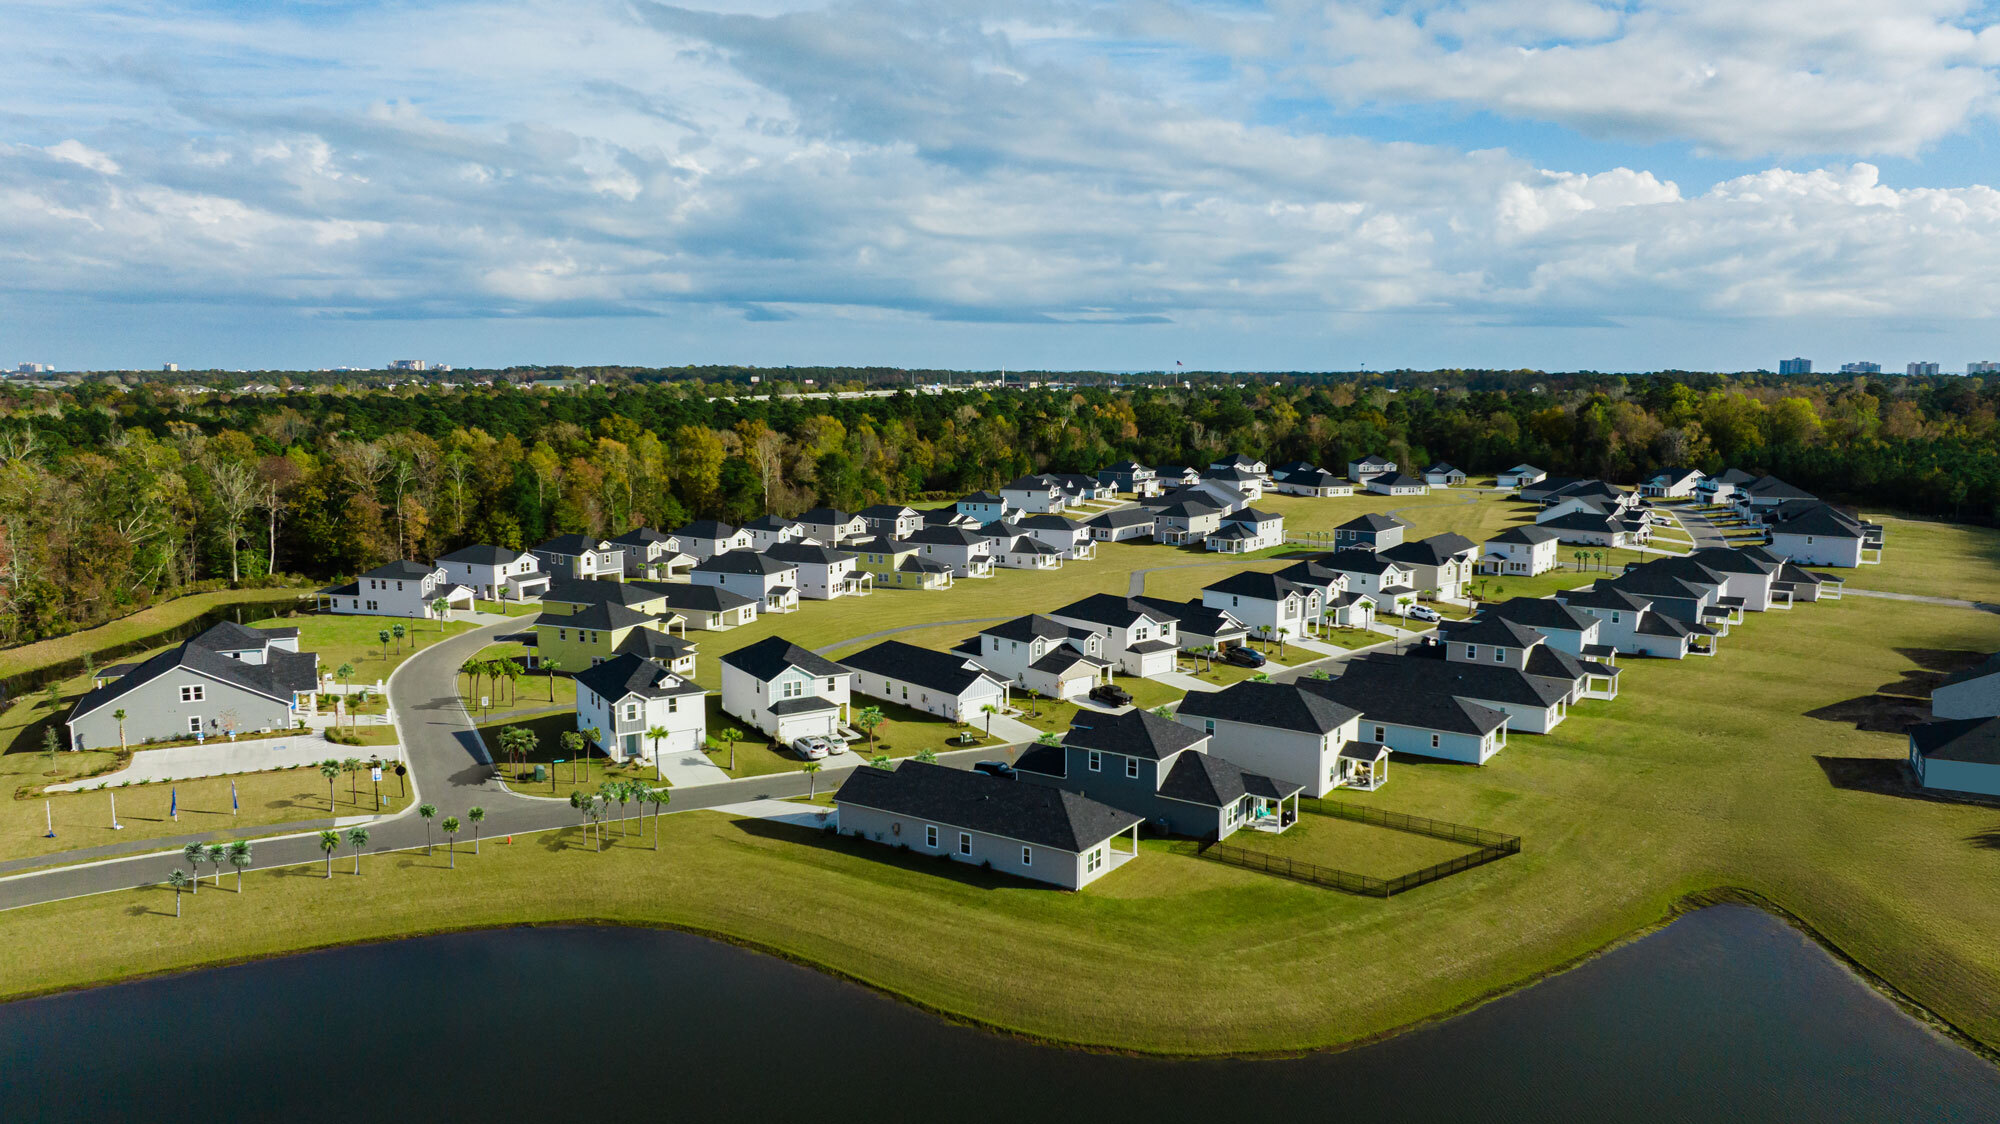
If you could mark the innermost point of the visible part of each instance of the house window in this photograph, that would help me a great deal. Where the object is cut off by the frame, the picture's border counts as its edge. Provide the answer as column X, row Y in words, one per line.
column 1499, row 655
column 1096, row 761
column 829, row 686
column 1208, row 726
column 1093, row 860
column 1027, row 856
column 1132, row 767
column 1379, row 734
column 194, row 723
column 964, row 843
column 192, row 694
column 562, row 634
column 791, row 689
column 1472, row 651
column 674, row 705
column 631, row 712
column 1435, row 741
column 930, row 836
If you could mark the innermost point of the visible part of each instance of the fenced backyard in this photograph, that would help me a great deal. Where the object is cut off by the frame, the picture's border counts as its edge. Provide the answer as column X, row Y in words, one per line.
column 1272, row 856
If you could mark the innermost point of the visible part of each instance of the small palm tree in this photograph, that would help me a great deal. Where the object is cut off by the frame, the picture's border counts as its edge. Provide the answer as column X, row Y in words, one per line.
column 329, row 841
column 330, row 769
column 216, row 854
column 810, row 769
column 441, row 609
column 398, row 631
column 989, row 710
column 352, row 767
column 581, row 803
column 357, row 838
column 551, row 666
column 622, row 792
column 729, row 738
column 657, row 734
column 866, row 719
column 344, row 673
column 119, row 714
column 572, row 743
column 658, row 798
column 239, row 857
column 426, row 812
column 477, row 815
column 194, row 853
column 1282, row 633
column 178, row 879
column 450, row 829
column 383, row 636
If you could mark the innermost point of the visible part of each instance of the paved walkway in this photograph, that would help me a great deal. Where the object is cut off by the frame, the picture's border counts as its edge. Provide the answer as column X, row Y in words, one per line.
column 1185, row 682
column 1923, row 599
column 690, row 767
column 781, row 811
column 221, row 756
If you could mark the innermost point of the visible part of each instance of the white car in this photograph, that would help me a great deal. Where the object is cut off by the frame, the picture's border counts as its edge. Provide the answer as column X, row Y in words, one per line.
column 812, row 749
column 1423, row 613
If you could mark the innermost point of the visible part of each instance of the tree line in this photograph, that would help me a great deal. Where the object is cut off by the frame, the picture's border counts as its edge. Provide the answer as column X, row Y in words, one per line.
column 114, row 496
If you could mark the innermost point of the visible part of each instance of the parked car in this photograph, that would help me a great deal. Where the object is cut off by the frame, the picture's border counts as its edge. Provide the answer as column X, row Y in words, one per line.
column 1242, row 655
column 1111, row 694
column 813, row 749
column 994, row 769
column 1423, row 613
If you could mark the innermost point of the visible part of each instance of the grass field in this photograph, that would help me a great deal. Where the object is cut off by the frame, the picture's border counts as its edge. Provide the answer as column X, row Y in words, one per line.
column 83, row 819
column 1940, row 559
column 1747, row 771
column 1358, row 848
column 125, row 630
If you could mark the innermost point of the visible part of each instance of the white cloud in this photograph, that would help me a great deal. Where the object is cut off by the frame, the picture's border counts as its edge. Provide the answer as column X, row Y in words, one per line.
column 76, row 152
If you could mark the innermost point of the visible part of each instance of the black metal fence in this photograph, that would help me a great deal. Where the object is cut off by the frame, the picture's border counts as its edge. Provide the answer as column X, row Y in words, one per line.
column 1487, row 847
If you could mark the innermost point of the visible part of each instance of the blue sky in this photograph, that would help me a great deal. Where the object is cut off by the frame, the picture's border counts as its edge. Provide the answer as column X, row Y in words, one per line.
column 1556, row 183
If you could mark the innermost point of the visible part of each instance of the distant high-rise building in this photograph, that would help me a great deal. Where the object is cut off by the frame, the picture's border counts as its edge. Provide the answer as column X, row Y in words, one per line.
column 169, row 368
column 407, row 365
column 1861, row 367
column 1983, row 367
column 1921, row 368
column 33, row 369
column 1795, row 366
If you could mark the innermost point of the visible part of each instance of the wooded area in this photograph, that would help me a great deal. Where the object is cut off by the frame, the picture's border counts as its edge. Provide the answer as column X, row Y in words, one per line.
column 111, row 497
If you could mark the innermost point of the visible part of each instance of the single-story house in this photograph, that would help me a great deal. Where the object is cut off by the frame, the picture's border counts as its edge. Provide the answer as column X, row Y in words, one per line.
column 1442, row 475
column 1957, row 755
column 1520, row 476
column 1972, row 693
column 227, row 680
column 948, row 686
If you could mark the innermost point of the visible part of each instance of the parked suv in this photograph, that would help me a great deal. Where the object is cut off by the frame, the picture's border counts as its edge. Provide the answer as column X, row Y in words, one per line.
column 812, row 749
column 1111, row 694
column 994, row 769
column 1242, row 655
column 1423, row 613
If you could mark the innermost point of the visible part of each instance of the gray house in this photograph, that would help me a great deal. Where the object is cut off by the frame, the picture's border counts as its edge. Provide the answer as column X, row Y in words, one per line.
column 1369, row 532
column 228, row 680
column 1162, row 770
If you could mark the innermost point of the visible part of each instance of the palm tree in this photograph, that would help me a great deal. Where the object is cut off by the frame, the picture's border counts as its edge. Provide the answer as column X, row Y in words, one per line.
column 477, row 815
column 119, row 714
column 216, row 853
column 572, row 743
column 329, row 841
column 551, row 666
column 398, row 631
column 658, row 798
column 239, row 857
column 729, row 738
column 344, row 673
column 426, row 811
column 440, row 608
column 989, row 710
column 513, row 671
column 1282, row 633
column 382, row 634
column 330, row 769
column 581, row 803
column 357, row 838
column 450, row 829
column 880, row 761
column 1600, row 561
column 194, row 853
column 810, row 769
column 866, row 719
column 657, row 734
column 178, row 879
column 470, row 669
column 352, row 767
column 1403, row 603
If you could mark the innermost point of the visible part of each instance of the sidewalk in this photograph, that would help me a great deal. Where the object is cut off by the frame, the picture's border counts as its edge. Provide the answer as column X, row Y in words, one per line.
column 221, row 756
column 780, row 811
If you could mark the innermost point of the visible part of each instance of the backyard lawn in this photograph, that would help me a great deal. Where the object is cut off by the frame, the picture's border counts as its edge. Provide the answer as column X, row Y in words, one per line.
column 1352, row 846
column 354, row 640
column 125, row 630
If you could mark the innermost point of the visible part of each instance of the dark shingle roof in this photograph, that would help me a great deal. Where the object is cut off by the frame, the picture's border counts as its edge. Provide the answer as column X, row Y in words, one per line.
column 921, row 666
column 663, row 647
column 643, row 536
column 1135, row 733
column 1203, row 778
column 482, row 554
column 1281, row 706
column 1397, row 480
column 278, row 678
column 938, row 534
column 634, row 675
column 1032, row 813
column 401, row 571
column 1988, row 666
column 794, row 553
column 706, row 529
column 768, row 658
column 601, row 593
column 1433, row 551
column 1404, row 704
column 826, row 515
column 603, row 616
column 1491, row 630
column 1525, row 533
column 700, row 598
column 1031, row 627
column 569, row 545
column 1106, row 608
column 1821, row 521
column 1123, row 517
column 1372, row 522
column 1974, row 741
column 1539, row 612
column 743, row 562
column 1257, row 584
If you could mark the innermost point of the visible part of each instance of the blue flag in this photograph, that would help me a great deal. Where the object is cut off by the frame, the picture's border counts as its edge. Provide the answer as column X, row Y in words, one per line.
column 234, row 807
column 174, row 805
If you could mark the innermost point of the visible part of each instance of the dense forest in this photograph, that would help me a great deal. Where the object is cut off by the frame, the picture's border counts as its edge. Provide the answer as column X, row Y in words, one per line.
column 112, row 495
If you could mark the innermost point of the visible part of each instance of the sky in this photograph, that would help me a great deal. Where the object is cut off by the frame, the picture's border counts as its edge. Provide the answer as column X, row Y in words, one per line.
column 979, row 184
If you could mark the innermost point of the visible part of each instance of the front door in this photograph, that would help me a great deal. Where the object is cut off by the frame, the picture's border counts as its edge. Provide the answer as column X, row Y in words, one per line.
column 631, row 745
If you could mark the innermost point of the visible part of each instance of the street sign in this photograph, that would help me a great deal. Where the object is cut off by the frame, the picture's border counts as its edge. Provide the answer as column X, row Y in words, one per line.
column 484, row 702
column 375, row 774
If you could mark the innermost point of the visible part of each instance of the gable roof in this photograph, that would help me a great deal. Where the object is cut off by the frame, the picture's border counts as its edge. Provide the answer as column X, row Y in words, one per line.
column 1257, row 584
column 1407, row 704
column 1375, row 460
column 1820, row 521
column 401, row 571
column 281, row 675
column 656, row 645
column 1397, row 480
column 831, row 516
column 1540, row 612
column 1280, row 706
column 1433, row 674
column 1031, row 813
column 772, row 524
column 1034, row 626
column 1434, row 551
column 938, row 534
column 772, row 656
column 1106, row 608
column 1974, row 741
column 1372, row 522
column 1215, row 782
column 483, row 554
column 589, row 592
column 644, row 536
column 937, row 671
column 743, row 562
column 1527, row 533
column 1441, row 468
column 1050, row 522
column 1357, row 562
column 570, row 545
column 1494, row 631
column 1194, row 617
column 1123, row 517
column 702, row 598
column 885, row 511
column 631, row 674
column 706, row 529
column 603, row 616
column 795, row 553
column 1180, row 506
column 1135, row 733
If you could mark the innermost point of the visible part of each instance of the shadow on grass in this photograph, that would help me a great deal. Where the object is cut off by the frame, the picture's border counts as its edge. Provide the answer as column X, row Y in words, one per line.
column 1990, row 840
column 1889, row 776
column 891, row 854
column 1875, row 714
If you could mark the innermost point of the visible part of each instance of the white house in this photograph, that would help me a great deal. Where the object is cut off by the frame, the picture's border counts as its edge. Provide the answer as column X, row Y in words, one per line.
column 581, row 558
column 1122, row 524
column 1368, row 468
column 1044, row 656
column 1067, row 537
column 830, row 526
column 949, row 686
column 1418, row 720
column 400, row 589
column 773, row 583
column 1250, row 484
column 1672, row 483
column 1628, row 625
column 1248, row 530
column 626, row 697
column 968, row 553
column 1025, row 552
column 1441, row 563
column 1268, row 605
column 785, row 691
column 822, row 572
column 495, row 572
column 891, row 521
column 1131, row 476
column 1185, row 522
column 706, row 538
column 767, row 531
column 652, row 555
column 1279, row 729
column 1139, row 640
column 1035, row 495
column 1303, row 479
column 1396, row 484
column 708, row 607
column 1521, row 551
column 1520, row 476
column 1957, row 755
column 1381, row 580
column 1442, row 475
column 1821, row 536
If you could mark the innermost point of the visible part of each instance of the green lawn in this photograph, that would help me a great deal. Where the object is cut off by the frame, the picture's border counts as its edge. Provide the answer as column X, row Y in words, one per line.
column 1940, row 559
column 586, row 772
column 1352, row 846
column 353, row 639
column 125, row 630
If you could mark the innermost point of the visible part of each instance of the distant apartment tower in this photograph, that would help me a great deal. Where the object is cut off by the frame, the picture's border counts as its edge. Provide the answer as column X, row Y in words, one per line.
column 1983, row 367
column 408, row 365
column 1795, row 366
column 169, row 368
column 1862, row 367
column 33, row 369
column 1921, row 368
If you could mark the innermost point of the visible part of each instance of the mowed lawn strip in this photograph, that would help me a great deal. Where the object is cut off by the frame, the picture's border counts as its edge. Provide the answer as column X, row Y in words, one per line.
column 1352, row 846
column 125, row 630
column 1705, row 773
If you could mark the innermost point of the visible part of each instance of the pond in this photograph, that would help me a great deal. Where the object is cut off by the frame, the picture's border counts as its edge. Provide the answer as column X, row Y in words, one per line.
column 1726, row 1014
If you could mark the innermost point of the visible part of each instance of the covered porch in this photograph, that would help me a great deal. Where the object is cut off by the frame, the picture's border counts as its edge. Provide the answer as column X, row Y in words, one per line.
column 1361, row 765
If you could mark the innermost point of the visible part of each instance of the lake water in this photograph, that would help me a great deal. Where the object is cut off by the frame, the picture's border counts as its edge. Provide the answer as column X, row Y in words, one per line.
column 1725, row 1015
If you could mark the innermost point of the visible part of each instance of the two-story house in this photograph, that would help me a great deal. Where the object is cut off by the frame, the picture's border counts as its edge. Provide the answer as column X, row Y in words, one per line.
column 225, row 681
column 1024, row 552
column 1185, row 522
column 890, row 521
column 823, row 573
column 495, row 573
column 786, row 691
column 1199, row 625
column 1044, row 656
column 1033, row 495
column 767, row 531
column 1494, row 640
column 410, row 590
column 1416, row 718
column 1139, row 640
column 1441, row 563
column 706, row 538
column 1628, row 625
column 1819, row 535
column 964, row 551
column 1250, row 484
column 1267, row 604
column 1366, row 469
column 1248, row 530
column 1162, row 770
column 652, row 555
column 1132, row 477
column 1564, row 627
column 830, row 526
column 773, row 583
column 1067, row 537
column 900, row 565
column 950, row 686
column 589, row 636
column 988, row 507
column 581, row 558
column 1285, row 731
column 564, row 597
column 1672, row 483
column 1521, row 551
column 1381, row 580
column 1369, row 532
column 626, row 698
column 1176, row 475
